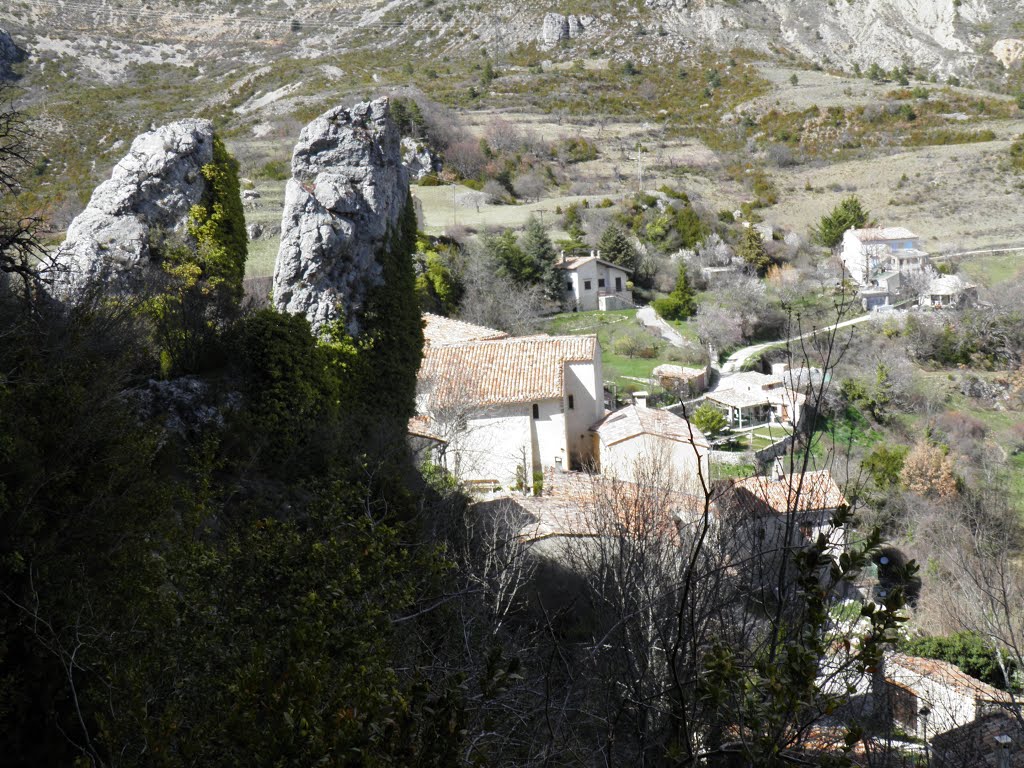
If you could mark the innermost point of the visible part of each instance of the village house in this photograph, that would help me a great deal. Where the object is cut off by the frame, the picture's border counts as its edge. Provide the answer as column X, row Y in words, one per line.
column 802, row 503
column 948, row 292
column 927, row 697
column 877, row 257
column 635, row 441
column 684, row 381
column 593, row 283
column 506, row 408
column 751, row 398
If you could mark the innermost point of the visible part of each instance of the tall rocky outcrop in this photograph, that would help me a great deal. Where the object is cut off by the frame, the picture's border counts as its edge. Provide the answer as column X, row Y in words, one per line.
column 10, row 54
column 149, row 195
column 558, row 27
column 342, row 211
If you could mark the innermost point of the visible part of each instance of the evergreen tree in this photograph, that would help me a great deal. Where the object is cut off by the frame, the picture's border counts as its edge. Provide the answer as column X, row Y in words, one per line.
column 541, row 258
column 504, row 249
column 680, row 304
column 573, row 223
column 615, row 247
column 752, row 251
column 849, row 214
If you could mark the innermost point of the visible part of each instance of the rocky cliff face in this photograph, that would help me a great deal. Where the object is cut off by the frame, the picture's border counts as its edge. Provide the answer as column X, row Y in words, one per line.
column 10, row 54
column 149, row 193
column 344, row 200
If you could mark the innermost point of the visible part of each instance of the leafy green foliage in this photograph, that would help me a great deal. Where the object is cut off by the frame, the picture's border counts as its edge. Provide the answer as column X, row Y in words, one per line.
column 709, row 419
column 849, row 214
column 681, row 303
column 884, row 464
column 437, row 284
column 615, row 247
column 218, row 226
column 967, row 650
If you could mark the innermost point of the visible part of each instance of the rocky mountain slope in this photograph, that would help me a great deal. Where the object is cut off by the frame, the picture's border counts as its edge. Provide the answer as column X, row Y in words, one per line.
column 107, row 38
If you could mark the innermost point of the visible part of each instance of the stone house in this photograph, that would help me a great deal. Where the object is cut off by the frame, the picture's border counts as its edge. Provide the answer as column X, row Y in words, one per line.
column 948, row 292
column 877, row 257
column 506, row 408
column 593, row 283
column 681, row 379
column 635, row 441
column 799, row 505
column 927, row 697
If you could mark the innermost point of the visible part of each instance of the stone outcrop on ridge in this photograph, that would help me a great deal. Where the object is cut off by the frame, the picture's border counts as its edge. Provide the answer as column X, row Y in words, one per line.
column 149, row 194
column 345, row 199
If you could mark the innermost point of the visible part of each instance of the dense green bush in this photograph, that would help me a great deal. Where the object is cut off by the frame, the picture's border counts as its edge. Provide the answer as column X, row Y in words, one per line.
column 968, row 651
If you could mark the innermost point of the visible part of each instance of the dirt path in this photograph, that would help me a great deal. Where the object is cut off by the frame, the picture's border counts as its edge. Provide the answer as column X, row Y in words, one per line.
column 651, row 319
column 735, row 361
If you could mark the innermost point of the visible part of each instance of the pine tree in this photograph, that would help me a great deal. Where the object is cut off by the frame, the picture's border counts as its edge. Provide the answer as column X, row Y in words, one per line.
column 752, row 251
column 615, row 247
column 541, row 259
column 849, row 214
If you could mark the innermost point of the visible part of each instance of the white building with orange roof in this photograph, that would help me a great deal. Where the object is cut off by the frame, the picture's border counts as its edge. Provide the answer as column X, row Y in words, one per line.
column 509, row 407
column 593, row 283
column 632, row 441
column 797, row 507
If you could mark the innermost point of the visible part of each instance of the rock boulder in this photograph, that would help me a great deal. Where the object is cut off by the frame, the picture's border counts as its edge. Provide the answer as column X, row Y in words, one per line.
column 418, row 158
column 150, row 191
column 346, row 196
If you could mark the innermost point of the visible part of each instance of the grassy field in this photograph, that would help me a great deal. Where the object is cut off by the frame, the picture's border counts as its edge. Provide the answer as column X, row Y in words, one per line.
column 994, row 269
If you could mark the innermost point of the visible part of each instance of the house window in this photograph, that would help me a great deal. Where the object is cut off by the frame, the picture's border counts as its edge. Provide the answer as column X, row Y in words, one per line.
column 572, row 403
column 600, row 282
column 618, row 283
column 536, row 411
column 568, row 285
column 586, row 285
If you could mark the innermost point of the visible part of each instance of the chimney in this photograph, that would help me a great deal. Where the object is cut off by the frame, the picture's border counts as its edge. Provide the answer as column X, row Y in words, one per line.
column 779, row 368
column 778, row 469
column 561, row 255
column 599, row 254
column 593, row 252
column 640, row 399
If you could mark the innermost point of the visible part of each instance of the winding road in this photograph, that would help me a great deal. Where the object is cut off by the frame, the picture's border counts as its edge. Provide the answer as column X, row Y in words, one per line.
column 735, row 361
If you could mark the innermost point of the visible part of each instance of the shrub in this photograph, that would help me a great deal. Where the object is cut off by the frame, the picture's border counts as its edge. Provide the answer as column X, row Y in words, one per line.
column 966, row 650
column 709, row 419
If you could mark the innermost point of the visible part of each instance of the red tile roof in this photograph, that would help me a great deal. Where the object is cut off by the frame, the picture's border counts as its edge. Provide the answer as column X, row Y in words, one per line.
column 817, row 491
column 949, row 675
column 504, row 371
column 439, row 331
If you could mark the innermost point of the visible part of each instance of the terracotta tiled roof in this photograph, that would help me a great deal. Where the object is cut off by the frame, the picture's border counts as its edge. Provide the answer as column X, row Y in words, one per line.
column 423, row 426
column 579, row 504
column 439, row 331
column 632, row 421
column 504, row 371
column 883, row 233
column 949, row 675
column 817, row 491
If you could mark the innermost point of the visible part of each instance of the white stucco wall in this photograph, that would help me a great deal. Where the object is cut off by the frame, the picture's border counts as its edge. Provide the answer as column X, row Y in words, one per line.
column 583, row 382
column 950, row 707
column 549, row 435
column 489, row 446
column 595, row 272
column 675, row 462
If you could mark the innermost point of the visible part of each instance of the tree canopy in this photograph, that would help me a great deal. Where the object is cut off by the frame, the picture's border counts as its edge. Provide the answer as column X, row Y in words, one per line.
column 848, row 214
